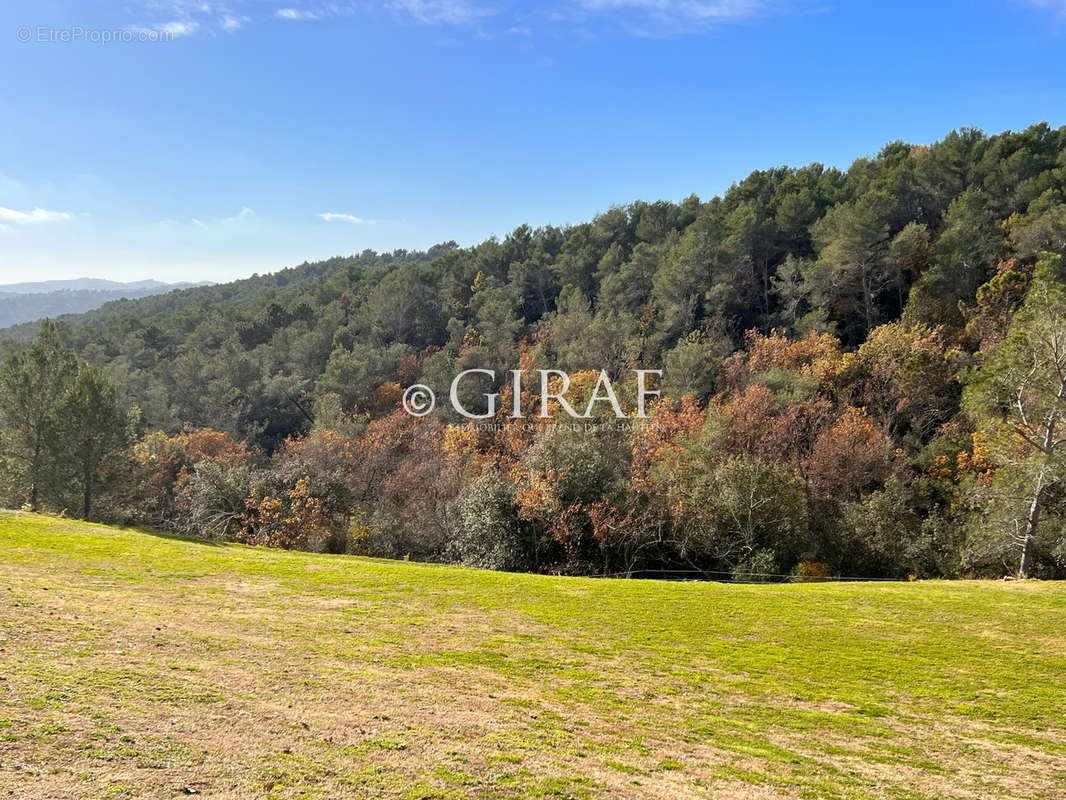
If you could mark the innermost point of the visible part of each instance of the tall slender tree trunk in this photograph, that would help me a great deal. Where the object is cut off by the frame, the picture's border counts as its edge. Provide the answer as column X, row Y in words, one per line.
column 1031, row 523
column 1033, row 520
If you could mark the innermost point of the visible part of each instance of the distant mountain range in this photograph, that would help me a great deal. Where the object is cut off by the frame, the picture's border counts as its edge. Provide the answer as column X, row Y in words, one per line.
column 25, row 302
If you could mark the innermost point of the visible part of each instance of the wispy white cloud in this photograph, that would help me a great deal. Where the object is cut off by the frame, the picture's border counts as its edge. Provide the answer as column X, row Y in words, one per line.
column 296, row 14
column 333, row 216
column 170, row 30
column 230, row 23
column 177, row 18
column 30, row 217
column 485, row 18
column 179, row 28
column 586, row 17
column 437, row 12
column 670, row 17
column 722, row 10
column 173, row 29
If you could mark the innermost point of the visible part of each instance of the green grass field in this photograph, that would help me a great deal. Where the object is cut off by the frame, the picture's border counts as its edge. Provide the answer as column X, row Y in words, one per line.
column 133, row 664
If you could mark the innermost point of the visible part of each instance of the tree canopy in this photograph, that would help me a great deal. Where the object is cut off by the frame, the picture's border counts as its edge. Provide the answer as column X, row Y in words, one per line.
column 815, row 326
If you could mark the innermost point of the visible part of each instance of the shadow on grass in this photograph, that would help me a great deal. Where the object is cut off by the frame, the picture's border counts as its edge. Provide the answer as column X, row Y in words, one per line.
column 191, row 538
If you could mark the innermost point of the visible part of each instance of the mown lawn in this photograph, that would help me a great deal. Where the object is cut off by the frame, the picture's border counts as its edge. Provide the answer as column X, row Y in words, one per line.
column 133, row 664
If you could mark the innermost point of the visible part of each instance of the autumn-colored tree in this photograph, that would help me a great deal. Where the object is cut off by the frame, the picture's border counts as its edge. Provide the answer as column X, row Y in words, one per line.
column 798, row 366
column 905, row 377
column 206, row 444
column 815, row 354
column 757, row 423
column 669, row 425
column 168, row 462
column 560, row 478
column 379, row 451
column 852, row 456
column 750, row 422
column 295, row 519
column 329, row 462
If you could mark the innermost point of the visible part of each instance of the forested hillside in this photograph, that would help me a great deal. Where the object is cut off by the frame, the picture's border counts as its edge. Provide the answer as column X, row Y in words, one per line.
column 864, row 374
column 24, row 306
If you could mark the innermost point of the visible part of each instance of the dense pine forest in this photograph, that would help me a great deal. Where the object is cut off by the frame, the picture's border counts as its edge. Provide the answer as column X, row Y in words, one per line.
column 864, row 374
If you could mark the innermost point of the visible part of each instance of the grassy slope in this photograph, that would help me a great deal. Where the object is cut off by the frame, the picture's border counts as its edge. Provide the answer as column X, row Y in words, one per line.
column 138, row 665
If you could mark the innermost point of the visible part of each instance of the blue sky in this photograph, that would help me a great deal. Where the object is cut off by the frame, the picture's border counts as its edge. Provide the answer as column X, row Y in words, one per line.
column 216, row 152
